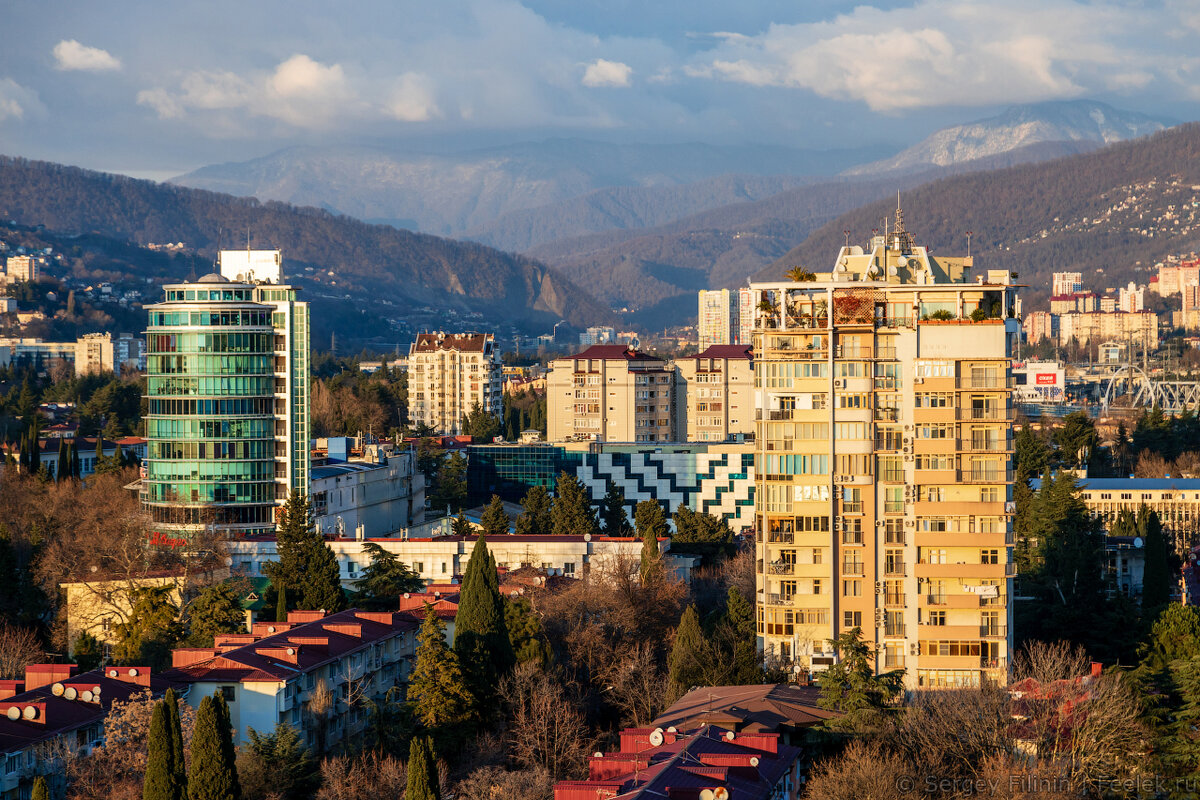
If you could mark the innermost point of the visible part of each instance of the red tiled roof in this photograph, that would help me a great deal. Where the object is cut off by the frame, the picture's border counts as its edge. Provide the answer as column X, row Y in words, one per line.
column 266, row 658
column 463, row 342
column 726, row 351
column 767, row 707
column 613, row 352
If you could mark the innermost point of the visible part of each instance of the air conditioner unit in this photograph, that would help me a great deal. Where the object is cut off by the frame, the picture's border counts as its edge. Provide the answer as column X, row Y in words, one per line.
column 918, row 380
column 878, row 587
column 914, row 649
column 838, row 383
column 910, row 523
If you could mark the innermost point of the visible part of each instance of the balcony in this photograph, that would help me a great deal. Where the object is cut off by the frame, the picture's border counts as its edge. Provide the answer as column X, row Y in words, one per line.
column 780, row 537
column 893, row 322
column 893, row 661
column 894, row 569
column 992, row 663
column 893, row 598
column 779, row 599
column 935, row 599
column 993, row 631
column 985, row 476
column 985, row 445
column 894, row 629
column 985, row 414
column 983, row 382
column 781, row 568
column 852, row 568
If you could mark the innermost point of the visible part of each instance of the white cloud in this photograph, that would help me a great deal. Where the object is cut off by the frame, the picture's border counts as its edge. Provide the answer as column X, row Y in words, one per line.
column 69, row 54
column 953, row 52
column 412, row 100
column 17, row 102
column 603, row 72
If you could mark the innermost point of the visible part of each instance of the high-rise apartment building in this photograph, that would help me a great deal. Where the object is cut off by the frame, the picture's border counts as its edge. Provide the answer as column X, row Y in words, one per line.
column 725, row 316
column 449, row 374
column 94, row 354
column 611, row 393
column 21, row 268
column 1064, row 283
column 227, row 417
column 716, row 394
column 883, row 463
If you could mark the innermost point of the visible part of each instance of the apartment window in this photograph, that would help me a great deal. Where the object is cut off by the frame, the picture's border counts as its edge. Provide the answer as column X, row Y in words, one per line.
column 817, row 558
column 989, row 494
column 891, row 468
column 418, row 567
column 893, row 530
column 937, row 618
column 944, row 431
column 228, row 693
column 852, row 619
column 854, row 400
column 852, row 563
column 569, row 568
column 989, row 556
column 934, row 556
column 816, row 584
column 852, row 588
column 850, row 430
column 935, row 494
column 893, row 562
column 935, row 462
column 852, row 499
column 934, row 400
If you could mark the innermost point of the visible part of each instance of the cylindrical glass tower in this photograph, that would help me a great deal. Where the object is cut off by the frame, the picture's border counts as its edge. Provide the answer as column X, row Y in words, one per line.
column 210, row 420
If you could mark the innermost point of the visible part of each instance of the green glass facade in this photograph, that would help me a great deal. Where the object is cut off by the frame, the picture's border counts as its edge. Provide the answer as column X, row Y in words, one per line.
column 211, row 409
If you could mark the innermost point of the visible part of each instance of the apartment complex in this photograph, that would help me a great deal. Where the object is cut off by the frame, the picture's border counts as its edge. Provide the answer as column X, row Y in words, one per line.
column 94, row 354
column 1140, row 328
column 725, row 316
column 1039, row 325
column 21, row 268
column 449, row 374
column 883, row 463
column 227, row 405
column 717, row 394
column 611, row 393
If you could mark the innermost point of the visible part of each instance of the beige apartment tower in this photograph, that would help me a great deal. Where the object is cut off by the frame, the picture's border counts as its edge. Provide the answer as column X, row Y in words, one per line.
column 448, row 374
column 611, row 393
column 883, row 463
column 716, row 391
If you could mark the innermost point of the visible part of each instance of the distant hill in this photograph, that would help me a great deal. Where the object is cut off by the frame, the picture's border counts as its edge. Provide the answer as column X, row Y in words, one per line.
column 369, row 264
column 1073, row 126
column 656, row 272
column 457, row 193
column 1110, row 214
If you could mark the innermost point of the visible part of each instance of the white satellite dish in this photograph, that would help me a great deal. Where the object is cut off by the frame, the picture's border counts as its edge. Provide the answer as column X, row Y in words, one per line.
column 112, row 673
column 1137, row 542
column 893, row 271
column 656, row 737
column 13, row 713
column 86, row 697
column 587, row 537
column 901, row 262
column 30, row 712
column 57, row 690
column 730, row 735
column 706, row 794
column 133, row 672
column 597, row 754
column 70, row 693
column 720, row 793
column 96, row 691
column 672, row 729
column 754, row 761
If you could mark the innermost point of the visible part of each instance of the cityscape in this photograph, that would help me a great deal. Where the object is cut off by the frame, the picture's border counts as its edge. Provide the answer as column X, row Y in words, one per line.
column 675, row 408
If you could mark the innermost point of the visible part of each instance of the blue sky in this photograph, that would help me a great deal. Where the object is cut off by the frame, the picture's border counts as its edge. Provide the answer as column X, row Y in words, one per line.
column 160, row 88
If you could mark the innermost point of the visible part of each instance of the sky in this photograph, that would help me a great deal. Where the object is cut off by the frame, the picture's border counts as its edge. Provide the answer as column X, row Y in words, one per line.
column 155, row 89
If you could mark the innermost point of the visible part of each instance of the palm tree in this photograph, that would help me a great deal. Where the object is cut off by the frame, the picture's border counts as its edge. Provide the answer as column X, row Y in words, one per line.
column 800, row 275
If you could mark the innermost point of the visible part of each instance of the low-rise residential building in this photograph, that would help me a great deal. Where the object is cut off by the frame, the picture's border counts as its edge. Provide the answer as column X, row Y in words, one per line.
column 611, row 393
column 375, row 495
column 705, row 762
column 85, row 447
column 716, row 396
column 267, row 676
column 449, row 374
column 55, row 712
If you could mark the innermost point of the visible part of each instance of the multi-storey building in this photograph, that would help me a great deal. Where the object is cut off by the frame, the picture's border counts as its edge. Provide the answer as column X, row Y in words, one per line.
column 884, row 463
column 21, row 268
column 1140, row 328
column 1175, row 500
column 1081, row 303
column 129, row 353
column 228, row 415
column 449, row 374
column 94, row 353
column 717, row 394
column 1131, row 298
column 725, row 316
column 1175, row 276
column 611, row 393
column 1066, row 283
column 1040, row 325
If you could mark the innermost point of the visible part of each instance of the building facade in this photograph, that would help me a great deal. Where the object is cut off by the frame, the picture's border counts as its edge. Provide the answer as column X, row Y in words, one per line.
column 1064, row 283
column 94, row 354
column 1139, row 328
column 1039, row 325
column 374, row 496
column 883, row 463
column 717, row 320
column 449, row 374
column 1175, row 500
column 611, row 393
column 227, row 411
column 21, row 268
column 716, row 395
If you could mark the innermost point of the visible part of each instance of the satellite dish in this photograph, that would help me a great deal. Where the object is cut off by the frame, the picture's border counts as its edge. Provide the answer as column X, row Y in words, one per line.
column 706, row 794
column 70, row 693
column 270, row 629
column 656, row 737
column 1137, row 542
column 587, row 537
column 112, row 673
column 14, row 713
column 720, row 793
column 901, row 262
column 86, row 697
column 133, row 672
column 406, row 595
column 57, row 690
column 96, row 691
column 730, row 735
column 754, row 761
column 30, row 712
column 672, row 729
column 597, row 754
column 291, row 651
column 893, row 271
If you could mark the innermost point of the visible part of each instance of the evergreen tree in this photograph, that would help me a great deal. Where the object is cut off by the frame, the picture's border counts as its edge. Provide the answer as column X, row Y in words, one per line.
column 462, row 526
column 616, row 521
column 535, row 518
column 851, row 685
column 281, row 603
column 151, row 630
column 689, row 654
column 572, row 513
column 494, row 520
column 159, row 782
column 306, row 565
column 525, row 632
column 480, row 634
column 1179, row 747
column 384, row 580
column 99, row 452
column 437, row 689
column 87, row 652
column 62, row 467
column 212, row 774
column 35, row 448
column 1156, row 576
column 651, row 525
column 422, row 771
column 175, row 727
column 739, row 622
column 41, row 791
column 278, row 764
column 216, row 610
column 700, row 533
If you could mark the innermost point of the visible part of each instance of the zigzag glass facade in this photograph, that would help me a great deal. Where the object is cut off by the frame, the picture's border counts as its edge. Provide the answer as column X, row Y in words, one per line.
column 210, row 422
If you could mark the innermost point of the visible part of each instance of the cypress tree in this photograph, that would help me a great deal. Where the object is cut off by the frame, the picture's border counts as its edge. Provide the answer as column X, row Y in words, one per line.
column 495, row 520
column 534, row 519
column 651, row 525
column 306, row 564
column 688, row 655
column 480, row 632
column 40, row 790
column 62, row 468
column 616, row 522
column 159, row 783
column 461, row 526
column 35, row 449
column 212, row 775
column 1156, row 575
column 422, row 771
column 99, row 451
column 175, row 727
column 281, row 604
column 739, row 621
column 572, row 513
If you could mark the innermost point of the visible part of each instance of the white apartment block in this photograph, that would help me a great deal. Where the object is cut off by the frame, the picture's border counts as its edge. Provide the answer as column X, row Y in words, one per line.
column 611, row 393
column 448, row 374
column 716, row 394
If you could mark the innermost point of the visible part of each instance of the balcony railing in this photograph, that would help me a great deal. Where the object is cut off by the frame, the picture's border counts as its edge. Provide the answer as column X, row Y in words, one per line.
column 779, row 599
column 993, row 631
column 780, row 537
column 985, row 476
column 985, row 414
column 893, row 569
column 781, row 568
column 893, row 629
column 985, row 445
column 992, row 663
column 852, row 568
column 935, row 599
column 893, row 598
column 893, row 661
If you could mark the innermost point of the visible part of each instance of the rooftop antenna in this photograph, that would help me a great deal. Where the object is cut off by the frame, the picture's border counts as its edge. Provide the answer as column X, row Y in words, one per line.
column 968, row 244
column 847, row 235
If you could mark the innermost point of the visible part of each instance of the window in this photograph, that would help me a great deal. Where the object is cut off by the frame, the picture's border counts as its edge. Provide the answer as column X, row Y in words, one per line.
column 228, row 693
column 816, row 585
column 852, row 619
column 418, row 567
column 935, row 494
column 937, row 618
column 989, row 556
column 945, row 431
column 934, row 556
column 989, row 494
column 852, row 588
column 569, row 568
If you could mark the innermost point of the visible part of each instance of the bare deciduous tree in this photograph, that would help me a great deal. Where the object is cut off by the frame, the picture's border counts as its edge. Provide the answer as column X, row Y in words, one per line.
column 637, row 685
column 864, row 770
column 495, row 783
column 19, row 647
column 546, row 728
column 368, row 776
